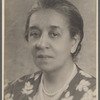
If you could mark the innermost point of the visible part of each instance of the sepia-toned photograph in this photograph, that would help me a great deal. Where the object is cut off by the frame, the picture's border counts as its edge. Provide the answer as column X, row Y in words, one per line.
column 50, row 50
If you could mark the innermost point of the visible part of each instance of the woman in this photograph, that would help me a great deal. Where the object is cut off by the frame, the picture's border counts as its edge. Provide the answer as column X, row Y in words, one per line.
column 54, row 30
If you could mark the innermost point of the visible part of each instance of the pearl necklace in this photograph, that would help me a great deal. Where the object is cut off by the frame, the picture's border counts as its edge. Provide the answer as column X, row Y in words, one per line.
column 65, row 86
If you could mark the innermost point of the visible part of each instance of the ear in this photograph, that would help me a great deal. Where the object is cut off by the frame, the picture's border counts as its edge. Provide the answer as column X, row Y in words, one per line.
column 75, row 42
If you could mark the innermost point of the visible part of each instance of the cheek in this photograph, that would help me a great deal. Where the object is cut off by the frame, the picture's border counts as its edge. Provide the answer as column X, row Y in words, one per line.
column 64, row 50
column 63, row 47
column 32, row 48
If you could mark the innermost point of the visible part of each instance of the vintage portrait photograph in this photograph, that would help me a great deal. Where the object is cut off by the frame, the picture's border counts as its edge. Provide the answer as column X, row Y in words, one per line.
column 50, row 50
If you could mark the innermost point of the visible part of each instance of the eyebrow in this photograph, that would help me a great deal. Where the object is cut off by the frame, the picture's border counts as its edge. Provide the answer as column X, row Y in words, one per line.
column 34, row 27
column 37, row 27
column 54, row 27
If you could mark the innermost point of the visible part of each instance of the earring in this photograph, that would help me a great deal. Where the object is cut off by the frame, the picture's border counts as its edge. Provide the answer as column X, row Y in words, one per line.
column 73, row 49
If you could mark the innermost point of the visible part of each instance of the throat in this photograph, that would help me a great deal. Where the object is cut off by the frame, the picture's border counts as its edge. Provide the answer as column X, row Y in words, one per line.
column 54, row 84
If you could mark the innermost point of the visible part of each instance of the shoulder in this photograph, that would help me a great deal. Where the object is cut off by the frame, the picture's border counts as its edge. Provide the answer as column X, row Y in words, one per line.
column 86, row 80
column 82, row 86
column 25, row 85
column 86, row 86
column 83, row 81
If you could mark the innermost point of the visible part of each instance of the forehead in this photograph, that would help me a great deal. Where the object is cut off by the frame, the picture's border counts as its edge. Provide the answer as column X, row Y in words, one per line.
column 47, row 18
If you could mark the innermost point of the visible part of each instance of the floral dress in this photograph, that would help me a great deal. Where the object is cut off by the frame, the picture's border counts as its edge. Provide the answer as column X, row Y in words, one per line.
column 82, row 87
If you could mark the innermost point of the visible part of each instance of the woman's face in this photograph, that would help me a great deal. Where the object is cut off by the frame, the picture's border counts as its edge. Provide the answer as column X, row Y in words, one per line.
column 49, row 39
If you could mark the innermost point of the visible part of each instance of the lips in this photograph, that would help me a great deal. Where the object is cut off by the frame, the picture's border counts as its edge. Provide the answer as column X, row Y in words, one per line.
column 44, row 56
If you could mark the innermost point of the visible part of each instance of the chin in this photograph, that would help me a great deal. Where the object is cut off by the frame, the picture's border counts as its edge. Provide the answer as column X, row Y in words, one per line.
column 47, row 68
column 44, row 68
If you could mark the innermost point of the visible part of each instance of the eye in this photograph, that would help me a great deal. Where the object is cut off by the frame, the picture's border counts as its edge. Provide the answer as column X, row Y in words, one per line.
column 54, row 34
column 34, row 34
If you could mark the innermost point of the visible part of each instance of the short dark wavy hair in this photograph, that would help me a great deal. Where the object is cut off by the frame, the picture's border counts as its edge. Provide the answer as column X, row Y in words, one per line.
column 66, row 8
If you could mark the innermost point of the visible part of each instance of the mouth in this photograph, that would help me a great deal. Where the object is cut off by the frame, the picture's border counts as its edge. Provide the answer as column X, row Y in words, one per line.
column 44, row 56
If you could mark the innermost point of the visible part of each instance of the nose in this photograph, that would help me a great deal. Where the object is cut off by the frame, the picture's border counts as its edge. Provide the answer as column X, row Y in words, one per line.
column 42, row 42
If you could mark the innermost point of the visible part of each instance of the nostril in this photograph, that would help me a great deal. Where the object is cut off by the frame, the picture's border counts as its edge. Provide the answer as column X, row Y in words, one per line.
column 42, row 45
column 42, row 42
column 38, row 45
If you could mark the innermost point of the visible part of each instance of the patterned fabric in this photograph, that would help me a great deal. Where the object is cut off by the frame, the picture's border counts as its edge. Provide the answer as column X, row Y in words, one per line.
column 82, row 87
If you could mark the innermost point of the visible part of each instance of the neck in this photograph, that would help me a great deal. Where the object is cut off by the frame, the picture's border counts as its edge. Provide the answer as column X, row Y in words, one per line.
column 55, row 80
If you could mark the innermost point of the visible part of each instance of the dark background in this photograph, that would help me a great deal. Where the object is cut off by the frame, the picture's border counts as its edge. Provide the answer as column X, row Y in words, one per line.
column 99, row 48
column 18, row 59
column 0, row 49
